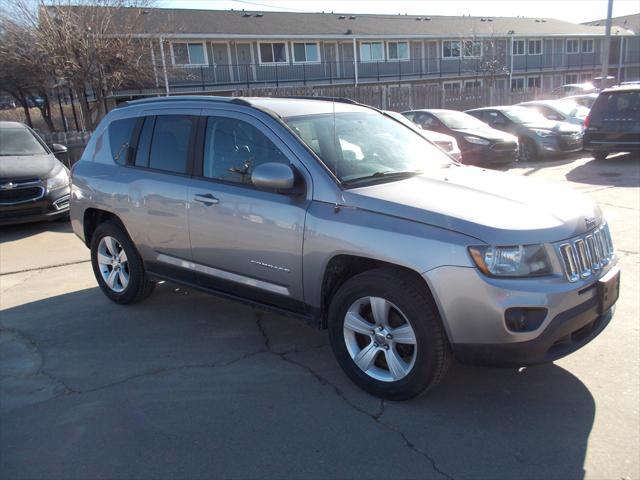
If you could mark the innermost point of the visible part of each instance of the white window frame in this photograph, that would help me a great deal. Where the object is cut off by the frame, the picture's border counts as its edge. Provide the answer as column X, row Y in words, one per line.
column 529, row 77
column 293, row 52
column 524, row 47
column 370, row 60
column 524, row 83
column 576, row 42
column 187, row 43
column 478, row 81
column 592, row 43
column 408, row 57
column 567, row 81
column 452, row 57
column 286, row 52
column 472, row 41
column 531, row 40
column 453, row 82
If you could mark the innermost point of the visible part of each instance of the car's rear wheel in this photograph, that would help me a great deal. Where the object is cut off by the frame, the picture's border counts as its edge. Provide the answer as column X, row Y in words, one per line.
column 386, row 334
column 528, row 150
column 599, row 154
column 117, row 265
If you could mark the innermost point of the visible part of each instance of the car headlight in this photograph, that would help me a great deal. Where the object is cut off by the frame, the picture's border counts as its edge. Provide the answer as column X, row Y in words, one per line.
column 543, row 133
column 477, row 140
column 59, row 180
column 512, row 261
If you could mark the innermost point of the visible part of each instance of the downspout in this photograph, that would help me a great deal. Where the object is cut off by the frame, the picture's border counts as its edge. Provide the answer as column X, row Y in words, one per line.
column 511, row 64
column 621, row 46
column 355, row 60
column 164, row 67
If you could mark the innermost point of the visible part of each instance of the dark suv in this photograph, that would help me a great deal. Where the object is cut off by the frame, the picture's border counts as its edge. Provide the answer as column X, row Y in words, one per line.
column 613, row 125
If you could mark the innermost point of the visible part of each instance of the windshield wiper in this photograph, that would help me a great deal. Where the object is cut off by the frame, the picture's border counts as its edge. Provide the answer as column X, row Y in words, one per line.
column 386, row 174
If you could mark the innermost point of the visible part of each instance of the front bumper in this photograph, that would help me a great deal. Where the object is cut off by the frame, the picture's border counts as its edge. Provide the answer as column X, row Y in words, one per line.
column 558, row 145
column 52, row 206
column 473, row 309
column 486, row 155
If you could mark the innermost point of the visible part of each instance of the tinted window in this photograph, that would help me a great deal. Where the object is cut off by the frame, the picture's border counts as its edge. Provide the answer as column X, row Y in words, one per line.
column 233, row 148
column 19, row 141
column 627, row 103
column 120, row 138
column 170, row 144
column 144, row 142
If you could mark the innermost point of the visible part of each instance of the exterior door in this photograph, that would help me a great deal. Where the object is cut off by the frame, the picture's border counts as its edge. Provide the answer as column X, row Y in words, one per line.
column 244, row 67
column 245, row 241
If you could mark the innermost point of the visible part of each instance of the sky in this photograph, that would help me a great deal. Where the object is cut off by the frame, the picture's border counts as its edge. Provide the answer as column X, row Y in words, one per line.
column 576, row 11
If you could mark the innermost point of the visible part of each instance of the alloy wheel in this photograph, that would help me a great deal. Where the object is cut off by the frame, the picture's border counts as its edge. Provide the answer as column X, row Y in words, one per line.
column 113, row 264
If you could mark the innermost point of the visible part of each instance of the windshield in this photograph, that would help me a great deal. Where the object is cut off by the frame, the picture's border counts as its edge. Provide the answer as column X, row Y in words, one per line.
column 524, row 115
column 19, row 141
column 460, row 120
column 366, row 145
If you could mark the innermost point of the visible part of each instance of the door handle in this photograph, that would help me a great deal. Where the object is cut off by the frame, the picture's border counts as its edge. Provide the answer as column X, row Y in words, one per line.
column 206, row 199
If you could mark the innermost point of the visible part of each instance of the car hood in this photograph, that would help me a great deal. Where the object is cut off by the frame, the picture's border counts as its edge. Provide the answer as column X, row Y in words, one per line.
column 436, row 136
column 495, row 207
column 28, row 166
column 560, row 127
column 488, row 133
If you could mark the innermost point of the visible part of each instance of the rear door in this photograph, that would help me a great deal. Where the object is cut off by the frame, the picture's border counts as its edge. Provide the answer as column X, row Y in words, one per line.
column 615, row 117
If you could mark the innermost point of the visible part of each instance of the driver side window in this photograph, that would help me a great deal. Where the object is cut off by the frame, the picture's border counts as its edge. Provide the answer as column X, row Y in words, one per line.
column 427, row 121
column 233, row 148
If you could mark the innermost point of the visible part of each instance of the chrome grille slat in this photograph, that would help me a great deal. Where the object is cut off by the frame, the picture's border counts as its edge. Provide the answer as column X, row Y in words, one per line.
column 588, row 254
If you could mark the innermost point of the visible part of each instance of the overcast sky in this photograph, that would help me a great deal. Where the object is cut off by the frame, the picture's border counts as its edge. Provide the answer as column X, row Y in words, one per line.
column 571, row 10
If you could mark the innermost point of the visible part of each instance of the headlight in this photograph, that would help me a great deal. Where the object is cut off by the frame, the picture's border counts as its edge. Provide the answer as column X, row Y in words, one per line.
column 543, row 133
column 476, row 140
column 59, row 180
column 512, row 261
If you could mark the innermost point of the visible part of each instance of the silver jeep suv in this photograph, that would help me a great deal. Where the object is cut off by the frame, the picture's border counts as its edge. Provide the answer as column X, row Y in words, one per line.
column 341, row 215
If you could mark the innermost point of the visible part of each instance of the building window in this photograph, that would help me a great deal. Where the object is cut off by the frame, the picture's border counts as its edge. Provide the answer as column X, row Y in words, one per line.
column 518, row 47
column 571, row 78
column 534, row 47
column 587, row 46
column 472, row 84
column 398, row 50
column 573, row 45
column 517, row 83
column 306, row 52
column 452, row 87
column 472, row 48
column 275, row 52
column 188, row 54
column 451, row 49
column 371, row 51
column 533, row 82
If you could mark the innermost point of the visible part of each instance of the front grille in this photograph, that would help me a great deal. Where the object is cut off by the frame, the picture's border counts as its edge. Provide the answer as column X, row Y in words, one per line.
column 504, row 146
column 62, row 202
column 588, row 254
column 19, row 193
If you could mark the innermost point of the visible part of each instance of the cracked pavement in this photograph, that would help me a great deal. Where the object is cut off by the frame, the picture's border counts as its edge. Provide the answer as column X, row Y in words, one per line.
column 186, row 385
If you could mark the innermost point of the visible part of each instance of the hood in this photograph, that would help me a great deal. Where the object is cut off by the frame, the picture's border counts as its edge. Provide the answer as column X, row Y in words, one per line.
column 487, row 133
column 560, row 127
column 495, row 207
column 436, row 136
column 28, row 166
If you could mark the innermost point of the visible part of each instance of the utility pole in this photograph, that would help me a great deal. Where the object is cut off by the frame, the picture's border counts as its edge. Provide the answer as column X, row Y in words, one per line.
column 607, row 45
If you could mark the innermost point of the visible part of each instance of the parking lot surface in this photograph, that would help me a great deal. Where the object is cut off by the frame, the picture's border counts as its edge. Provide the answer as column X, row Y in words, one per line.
column 186, row 385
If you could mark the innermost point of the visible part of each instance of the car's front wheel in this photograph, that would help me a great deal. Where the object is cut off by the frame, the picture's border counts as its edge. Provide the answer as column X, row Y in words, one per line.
column 528, row 150
column 117, row 265
column 386, row 334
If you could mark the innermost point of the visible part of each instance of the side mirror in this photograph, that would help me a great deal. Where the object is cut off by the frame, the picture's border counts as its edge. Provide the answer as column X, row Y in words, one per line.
column 57, row 148
column 273, row 176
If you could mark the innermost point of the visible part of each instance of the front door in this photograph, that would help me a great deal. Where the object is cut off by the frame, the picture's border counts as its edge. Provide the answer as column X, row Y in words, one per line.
column 245, row 241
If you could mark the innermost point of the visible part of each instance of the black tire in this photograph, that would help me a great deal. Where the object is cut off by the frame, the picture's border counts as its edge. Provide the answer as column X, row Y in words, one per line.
column 599, row 155
column 432, row 354
column 139, row 286
column 528, row 150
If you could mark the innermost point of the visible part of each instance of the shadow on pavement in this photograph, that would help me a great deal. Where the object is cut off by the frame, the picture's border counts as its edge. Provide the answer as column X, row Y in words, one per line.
column 10, row 233
column 617, row 170
column 97, row 389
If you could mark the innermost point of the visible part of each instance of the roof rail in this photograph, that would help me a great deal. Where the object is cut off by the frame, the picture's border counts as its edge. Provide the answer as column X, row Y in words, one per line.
column 323, row 98
column 186, row 98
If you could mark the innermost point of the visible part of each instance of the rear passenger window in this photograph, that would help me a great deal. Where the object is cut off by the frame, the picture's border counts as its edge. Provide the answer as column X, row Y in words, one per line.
column 120, row 132
column 233, row 148
column 170, row 143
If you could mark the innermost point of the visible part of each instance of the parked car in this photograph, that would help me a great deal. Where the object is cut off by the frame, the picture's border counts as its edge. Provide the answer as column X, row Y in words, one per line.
column 34, row 184
column 559, row 110
column 538, row 137
column 630, row 82
column 340, row 215
column 586, row 100
column 574, row 89
column 613, row 125
column 7, row 103
column 479, row 143
column 447, row 143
